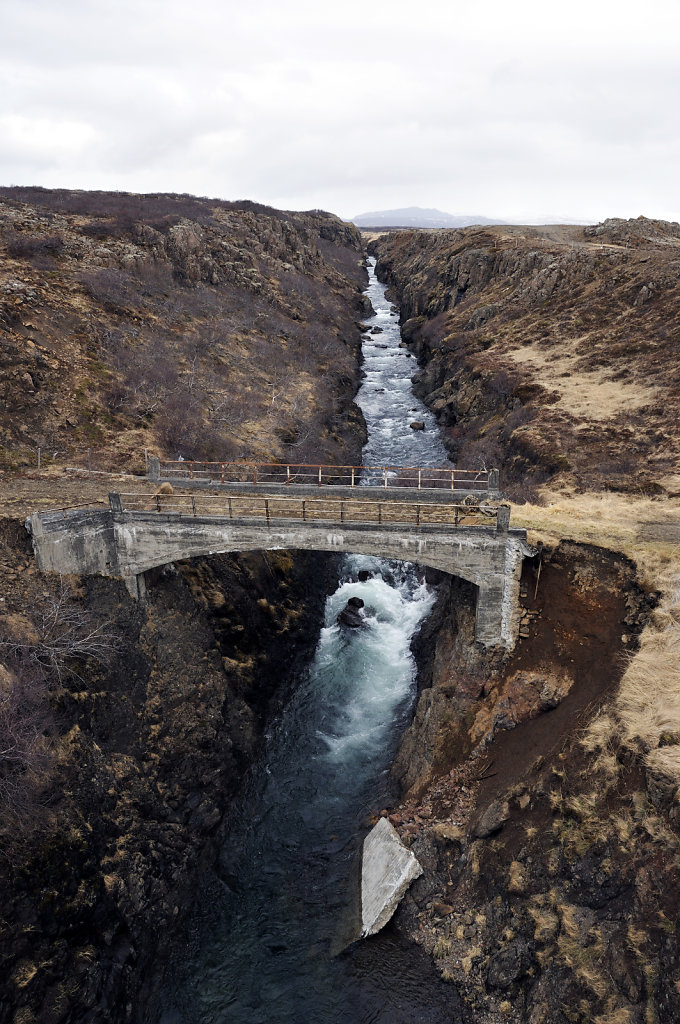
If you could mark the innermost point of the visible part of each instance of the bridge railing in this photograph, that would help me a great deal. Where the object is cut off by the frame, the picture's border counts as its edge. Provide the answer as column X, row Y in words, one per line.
column 331, row 510
column 262, row 473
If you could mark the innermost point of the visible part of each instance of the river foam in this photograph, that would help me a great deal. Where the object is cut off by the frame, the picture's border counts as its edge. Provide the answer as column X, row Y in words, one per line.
column 267, row 926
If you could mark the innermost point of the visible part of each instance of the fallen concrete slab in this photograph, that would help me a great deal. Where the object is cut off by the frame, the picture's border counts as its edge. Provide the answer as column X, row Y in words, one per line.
column 387, row 870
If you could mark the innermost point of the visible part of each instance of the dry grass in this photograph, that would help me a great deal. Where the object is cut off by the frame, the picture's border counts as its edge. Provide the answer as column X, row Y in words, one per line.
column 585, row 394
column 620, row 1015
column 517, row 880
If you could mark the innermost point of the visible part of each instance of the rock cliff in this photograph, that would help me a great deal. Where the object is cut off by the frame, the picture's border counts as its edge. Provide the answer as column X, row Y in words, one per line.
column 539, row 789
column 123, row 316
column 547, row 351
column 147, row 749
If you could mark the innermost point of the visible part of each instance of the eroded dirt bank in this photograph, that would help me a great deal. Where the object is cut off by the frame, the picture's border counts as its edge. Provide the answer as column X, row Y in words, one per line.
column 550, row 887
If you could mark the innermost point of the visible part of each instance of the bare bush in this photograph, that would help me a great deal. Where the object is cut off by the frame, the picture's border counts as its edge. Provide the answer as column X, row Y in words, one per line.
column 24, row 745
column 483, row 453
column 517, row 418
column 37, row 249
column 37, row 656
column 113, row 288
column 64, row 634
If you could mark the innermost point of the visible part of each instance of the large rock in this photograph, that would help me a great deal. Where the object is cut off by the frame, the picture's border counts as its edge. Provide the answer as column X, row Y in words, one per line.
column 365, row 306
column 387, row 870
column 350, row 614
column 493, row 819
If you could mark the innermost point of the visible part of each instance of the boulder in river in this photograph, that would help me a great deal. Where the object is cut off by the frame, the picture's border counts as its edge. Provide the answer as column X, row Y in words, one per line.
column 417, row 425
column 364, row 574
column 365, row 306
column 350, row 614
column 387, row 870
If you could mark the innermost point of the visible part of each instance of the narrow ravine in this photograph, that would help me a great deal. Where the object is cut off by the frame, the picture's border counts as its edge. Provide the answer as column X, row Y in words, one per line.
column 273, row 919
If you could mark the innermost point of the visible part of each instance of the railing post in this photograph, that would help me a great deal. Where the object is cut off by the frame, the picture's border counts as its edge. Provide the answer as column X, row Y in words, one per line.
column 342, row 511
column 493, row 481
column 287, row 476
column 419, row 475
column 222, row 473
column 503, row 519
column 255, row 475
column 417, row 515
column 193, row 505
column 453, row 487
column 352, row 476
column 115, row 503
column 319, row 476
column 230, row 512
column 379, row 514
column 154, row 470
column 266, row 510
column 304, row 513
column 191, row 470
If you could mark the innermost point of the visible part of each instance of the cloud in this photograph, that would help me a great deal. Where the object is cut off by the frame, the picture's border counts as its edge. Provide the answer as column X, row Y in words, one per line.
column 500, row 110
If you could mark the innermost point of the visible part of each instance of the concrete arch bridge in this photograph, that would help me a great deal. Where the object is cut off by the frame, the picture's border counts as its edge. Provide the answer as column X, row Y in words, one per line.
column 137, row 532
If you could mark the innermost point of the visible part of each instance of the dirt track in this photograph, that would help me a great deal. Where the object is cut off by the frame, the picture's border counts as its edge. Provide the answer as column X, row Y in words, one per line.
column 22, row 495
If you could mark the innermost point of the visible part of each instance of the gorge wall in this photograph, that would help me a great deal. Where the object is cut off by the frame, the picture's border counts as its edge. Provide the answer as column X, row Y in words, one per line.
column 147, row 752
column 184, row 326
column 547, row 351
column 550, row 853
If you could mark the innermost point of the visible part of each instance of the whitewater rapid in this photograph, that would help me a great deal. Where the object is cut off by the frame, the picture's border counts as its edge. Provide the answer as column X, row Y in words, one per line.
column 271, row 921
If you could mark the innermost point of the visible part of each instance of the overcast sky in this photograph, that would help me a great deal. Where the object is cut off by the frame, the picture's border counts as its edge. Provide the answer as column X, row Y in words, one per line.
column 520, row 111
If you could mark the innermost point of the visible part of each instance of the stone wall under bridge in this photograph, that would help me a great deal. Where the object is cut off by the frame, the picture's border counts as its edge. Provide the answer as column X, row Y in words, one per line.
column 118, row 542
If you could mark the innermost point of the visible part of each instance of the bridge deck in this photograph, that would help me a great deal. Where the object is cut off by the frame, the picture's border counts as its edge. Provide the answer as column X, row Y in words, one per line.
column 440, row 479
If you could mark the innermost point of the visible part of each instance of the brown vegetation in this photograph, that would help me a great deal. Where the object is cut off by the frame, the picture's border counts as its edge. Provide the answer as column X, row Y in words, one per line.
column 183, row 325
column 550, row 351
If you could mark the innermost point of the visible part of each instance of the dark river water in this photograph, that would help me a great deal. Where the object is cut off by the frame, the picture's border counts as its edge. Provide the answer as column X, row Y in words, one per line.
column 271, row 922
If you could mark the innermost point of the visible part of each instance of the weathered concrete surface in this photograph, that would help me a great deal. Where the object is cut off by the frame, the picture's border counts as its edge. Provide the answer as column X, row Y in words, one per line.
column 127, row 544
column 436, row 495
column 387, row 870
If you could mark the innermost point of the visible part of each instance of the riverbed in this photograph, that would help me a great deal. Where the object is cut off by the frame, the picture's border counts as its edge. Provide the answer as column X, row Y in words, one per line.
column 272, row 923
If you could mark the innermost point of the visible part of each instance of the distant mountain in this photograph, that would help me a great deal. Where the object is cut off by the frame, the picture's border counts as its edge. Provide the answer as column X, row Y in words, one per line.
column 416, row 217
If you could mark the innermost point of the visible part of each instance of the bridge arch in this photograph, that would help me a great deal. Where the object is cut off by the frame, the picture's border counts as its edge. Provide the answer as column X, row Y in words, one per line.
column 128, row 544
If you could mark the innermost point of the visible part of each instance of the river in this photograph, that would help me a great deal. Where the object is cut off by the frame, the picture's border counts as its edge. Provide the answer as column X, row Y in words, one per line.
column 271, row 921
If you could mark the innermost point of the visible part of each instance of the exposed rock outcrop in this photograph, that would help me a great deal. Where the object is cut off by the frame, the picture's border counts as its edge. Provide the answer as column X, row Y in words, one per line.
column 546, row 351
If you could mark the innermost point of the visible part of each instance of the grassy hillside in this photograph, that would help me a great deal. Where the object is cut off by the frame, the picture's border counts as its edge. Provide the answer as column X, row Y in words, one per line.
column 188, row 326
column 552, row 352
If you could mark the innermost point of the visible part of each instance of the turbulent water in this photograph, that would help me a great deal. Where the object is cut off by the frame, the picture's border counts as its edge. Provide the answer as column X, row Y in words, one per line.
column 280, row 907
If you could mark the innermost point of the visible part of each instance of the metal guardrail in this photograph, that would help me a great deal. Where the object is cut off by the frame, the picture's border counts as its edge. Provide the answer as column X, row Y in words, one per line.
column 332, row 510
column 262, row 473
